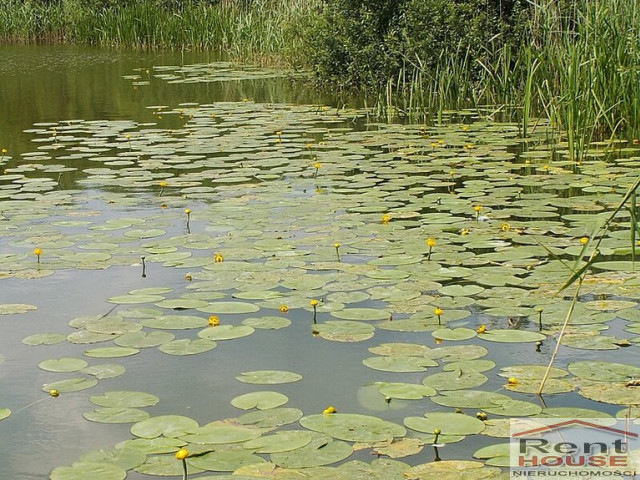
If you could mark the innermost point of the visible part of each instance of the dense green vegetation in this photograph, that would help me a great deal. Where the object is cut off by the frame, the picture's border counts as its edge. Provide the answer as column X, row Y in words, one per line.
column 575, row 63
column 265, row 30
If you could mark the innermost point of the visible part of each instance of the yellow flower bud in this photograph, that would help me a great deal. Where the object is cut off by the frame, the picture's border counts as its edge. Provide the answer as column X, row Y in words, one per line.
column 182, row 454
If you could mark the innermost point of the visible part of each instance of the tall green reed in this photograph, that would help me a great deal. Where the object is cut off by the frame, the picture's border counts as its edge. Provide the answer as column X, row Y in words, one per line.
column 578, row 67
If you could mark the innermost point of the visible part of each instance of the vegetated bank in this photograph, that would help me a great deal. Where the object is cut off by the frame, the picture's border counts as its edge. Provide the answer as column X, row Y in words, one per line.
column 265, row 31
column 576, row 63
column 573, row 62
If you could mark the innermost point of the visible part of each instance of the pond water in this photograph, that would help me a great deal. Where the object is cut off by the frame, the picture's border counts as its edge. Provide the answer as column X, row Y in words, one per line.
column 158, row 189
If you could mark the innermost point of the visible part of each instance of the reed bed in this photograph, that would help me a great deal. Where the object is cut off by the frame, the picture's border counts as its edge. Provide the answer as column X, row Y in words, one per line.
column 579, row 69
column 261, row 30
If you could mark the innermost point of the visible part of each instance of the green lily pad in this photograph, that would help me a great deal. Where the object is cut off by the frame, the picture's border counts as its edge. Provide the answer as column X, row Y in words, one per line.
column 353, row 427
column 531, row 372
column 215, row 434
column 123, row 457
column 131, row 299
column 457, row 353
column 499, row 454
column 71, row 385
column 4, row 413
column 344, row 331
column 111, row 352
column 514, row 408
column 447, row 423
column 181, row 303
column 186, row 346
column 171, row 426
column 15, row 308
column 260, row 400
column 461, row 290
column 85, row 336
column 273, row 417
column 267, row 323
column 116, row 415
column 93, row 470
column 124, row 398
column 512, row 336
column 284, row 441
column 175, row 322
column 469, row 399
column 225, row 461
column 592, row 342
column 401, row 350
column 406, row 391
column 361, row 314
column 400, row 364
column 551, row 386
column 454, row 334
column 152, row 445
column 164, row 465
column 143, row 339
column 454, row 380
column 226, row 332
column 573, row 412
column 604, row 371
column 269, row 377
column 398, row 449
column 469, row 366
column 229, row 308
column 321, row 450
column 66, row 364
column 615, row 393
column 44, row 339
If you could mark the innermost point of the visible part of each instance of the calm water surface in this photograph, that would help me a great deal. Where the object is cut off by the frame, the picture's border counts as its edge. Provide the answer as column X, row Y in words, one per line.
column 49, row 84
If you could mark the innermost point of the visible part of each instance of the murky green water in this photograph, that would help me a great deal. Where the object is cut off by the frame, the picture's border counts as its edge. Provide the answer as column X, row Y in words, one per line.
column 106, row 152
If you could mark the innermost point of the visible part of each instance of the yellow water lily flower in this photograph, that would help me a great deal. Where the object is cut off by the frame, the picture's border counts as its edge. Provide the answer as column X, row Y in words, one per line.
column 218, row 258
column 214, row 321
column 584, row 240
column 314, row 303
column 54, row 393
column 329, row 410
column 182, row 454
column 482, row 328
column 431, row 242
column 284, row 308
column 386, row 218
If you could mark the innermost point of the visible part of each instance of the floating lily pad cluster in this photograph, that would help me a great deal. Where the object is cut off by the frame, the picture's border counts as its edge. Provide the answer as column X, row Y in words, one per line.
column 461, row 233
